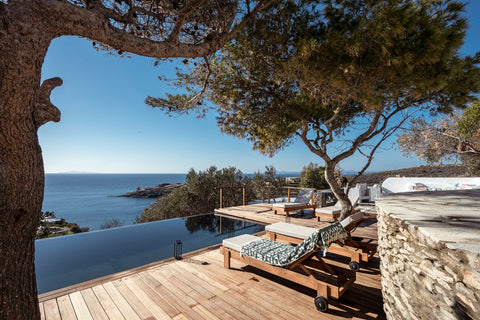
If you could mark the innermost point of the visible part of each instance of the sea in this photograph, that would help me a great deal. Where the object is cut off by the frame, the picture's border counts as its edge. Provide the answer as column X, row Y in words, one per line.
column 90, row 200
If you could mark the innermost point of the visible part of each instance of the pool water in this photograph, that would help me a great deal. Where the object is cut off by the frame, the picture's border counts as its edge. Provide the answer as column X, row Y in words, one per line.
column 68, row 260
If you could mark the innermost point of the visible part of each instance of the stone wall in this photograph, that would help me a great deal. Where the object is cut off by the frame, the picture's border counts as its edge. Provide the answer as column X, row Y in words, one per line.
column 430, row 257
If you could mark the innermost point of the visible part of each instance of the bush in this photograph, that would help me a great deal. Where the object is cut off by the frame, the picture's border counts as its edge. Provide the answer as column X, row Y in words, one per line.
column 313, row 176
column 268, row 184
column 112, row 223
column 200, row 194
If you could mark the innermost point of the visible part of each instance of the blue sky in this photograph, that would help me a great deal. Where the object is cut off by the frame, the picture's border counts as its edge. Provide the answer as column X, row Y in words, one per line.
column 107, row 128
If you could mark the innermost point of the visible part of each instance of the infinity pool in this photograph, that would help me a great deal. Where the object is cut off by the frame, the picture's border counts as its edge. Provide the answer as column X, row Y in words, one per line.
column 68, row 260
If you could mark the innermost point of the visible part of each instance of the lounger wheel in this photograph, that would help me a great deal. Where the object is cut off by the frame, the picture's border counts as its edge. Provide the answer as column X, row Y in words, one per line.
column 354, row 265
column 321, row 303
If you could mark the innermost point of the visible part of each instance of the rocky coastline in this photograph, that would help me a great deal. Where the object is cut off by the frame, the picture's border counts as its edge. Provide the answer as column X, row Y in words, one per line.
column 153, row 192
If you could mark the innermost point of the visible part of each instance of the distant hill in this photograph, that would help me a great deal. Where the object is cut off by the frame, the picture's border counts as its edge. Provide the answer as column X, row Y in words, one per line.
column 450, row 170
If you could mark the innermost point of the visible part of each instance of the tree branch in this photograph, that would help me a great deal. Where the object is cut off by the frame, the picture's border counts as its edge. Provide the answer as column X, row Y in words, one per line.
column 181, row 19
column 44, row 110
column 94, row 24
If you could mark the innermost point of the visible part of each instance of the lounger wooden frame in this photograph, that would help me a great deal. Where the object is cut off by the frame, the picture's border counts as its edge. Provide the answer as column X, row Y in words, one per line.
column 300, row 207
column 357, row 251
column 333, row 217
column 328, row 280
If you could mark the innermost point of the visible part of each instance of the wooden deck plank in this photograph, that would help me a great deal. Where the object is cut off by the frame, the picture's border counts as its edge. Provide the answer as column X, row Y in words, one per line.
column 66, row 308
column 133, row 301
column 228, row 303
column 50, row 308
column 122, row 304
column 94, row 306
column 152, row 301
column 107, row 303
column 258, row 290
column 42, row 311
column 184, row 308
column 80, row 306
column 203, row 299
column 201, row 292
column 250, row 298
column 272, row 291
column 233, row 289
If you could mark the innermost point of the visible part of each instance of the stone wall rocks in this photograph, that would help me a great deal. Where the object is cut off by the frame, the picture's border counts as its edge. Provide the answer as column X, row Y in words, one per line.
column 422, row 278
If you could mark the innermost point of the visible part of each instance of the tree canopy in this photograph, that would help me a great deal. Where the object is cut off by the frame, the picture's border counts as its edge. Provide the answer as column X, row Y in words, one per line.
column 342, row 76
column 446, row 138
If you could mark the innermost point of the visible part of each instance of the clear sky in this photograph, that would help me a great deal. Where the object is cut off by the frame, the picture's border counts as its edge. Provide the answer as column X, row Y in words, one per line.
column 107, row 128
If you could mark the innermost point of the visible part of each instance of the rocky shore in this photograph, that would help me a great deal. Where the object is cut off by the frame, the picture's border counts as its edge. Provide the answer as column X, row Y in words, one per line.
column 153, row 192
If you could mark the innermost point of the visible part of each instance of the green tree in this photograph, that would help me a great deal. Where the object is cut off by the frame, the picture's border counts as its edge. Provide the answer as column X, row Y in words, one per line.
column 341, row 76
column 200, row 194
column 313, row 176
column 268, row 184
column 446, row 138
column 157, row 29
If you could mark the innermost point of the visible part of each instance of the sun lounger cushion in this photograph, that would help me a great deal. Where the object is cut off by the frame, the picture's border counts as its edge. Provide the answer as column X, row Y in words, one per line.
column 302, row 199
column 290, row 229
column 279, row 254
column 288, row 204
column 237, row 242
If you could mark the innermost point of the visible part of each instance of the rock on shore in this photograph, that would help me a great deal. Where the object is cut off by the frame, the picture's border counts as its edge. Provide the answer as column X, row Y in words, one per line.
column 153, row 192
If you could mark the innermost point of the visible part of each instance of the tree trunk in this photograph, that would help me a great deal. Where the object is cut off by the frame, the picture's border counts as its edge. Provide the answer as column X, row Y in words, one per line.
column 338, row 191
column 23, row 108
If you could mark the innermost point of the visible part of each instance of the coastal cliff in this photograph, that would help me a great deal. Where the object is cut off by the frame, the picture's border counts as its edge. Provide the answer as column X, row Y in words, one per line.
column 153, row 192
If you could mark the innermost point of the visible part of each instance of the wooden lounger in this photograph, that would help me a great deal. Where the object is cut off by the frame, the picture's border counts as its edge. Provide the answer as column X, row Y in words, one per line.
column 309, row 270
column 301, row 202
column 357, row 251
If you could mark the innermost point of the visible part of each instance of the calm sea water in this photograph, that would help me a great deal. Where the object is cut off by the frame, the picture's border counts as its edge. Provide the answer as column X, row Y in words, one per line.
column 87, row 199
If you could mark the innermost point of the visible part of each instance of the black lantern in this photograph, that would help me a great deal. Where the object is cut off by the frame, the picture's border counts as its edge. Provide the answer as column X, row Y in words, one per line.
column 177, row 249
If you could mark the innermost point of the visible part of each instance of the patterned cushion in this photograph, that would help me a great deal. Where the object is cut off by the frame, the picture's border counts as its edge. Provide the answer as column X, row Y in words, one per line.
column 279, row 254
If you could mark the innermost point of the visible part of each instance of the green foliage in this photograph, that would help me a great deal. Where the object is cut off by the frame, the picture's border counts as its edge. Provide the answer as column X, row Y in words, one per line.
column 200, row 194
column 313, row 176
column 341, row 75
column 44, row 228
column 269, row 184
column 111, row 223
column 471, row 164
column 346, row 56
column 469, row 123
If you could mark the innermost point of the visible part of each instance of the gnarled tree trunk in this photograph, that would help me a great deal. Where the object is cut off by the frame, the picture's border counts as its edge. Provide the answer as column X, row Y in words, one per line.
column 24, row 107
column 337, row 190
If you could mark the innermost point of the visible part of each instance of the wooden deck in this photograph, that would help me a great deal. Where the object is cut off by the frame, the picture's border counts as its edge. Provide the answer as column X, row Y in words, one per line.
column 199, row 287
column 263, row 213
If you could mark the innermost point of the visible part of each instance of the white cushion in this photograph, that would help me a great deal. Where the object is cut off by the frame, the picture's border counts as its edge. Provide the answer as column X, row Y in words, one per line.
column 237, row 242
column 350, row 219
column 288, row 204
column 333, row 210
column 291, row 230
